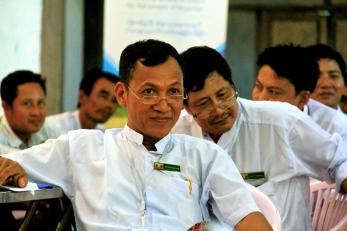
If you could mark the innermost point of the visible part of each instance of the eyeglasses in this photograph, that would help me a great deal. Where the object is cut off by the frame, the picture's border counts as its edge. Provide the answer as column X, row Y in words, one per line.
column 154, row 99
column 205, row 108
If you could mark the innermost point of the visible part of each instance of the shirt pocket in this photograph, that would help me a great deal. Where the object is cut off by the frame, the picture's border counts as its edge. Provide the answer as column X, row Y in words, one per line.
column 184, row 198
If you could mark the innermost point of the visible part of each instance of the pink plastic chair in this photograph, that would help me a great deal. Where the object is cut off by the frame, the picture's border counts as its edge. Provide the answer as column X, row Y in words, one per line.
column 328, row 206
column 267, row 207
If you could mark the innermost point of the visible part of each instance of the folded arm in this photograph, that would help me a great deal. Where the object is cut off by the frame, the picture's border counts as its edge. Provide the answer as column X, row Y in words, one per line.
column 253, row 221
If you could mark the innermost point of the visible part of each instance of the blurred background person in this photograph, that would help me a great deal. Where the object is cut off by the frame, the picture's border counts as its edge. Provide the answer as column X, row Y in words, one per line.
column 332, row 77
column 23, row 125
column 286, row 74
column 96, row 103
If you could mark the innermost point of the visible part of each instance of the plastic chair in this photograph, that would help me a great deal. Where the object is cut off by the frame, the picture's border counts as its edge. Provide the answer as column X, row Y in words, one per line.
column 328, row 206
column 267, row 207
column 341, row 226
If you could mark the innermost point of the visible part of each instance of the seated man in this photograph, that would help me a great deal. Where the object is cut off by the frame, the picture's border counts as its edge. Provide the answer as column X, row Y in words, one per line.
column 96, row 103
column 286, row 74
column 333, row 75
column 23, row 125
column 274, row 145
column 142, row 177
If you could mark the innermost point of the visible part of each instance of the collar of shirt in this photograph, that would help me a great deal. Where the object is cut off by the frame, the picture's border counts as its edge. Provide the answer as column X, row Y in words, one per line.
column 12, row 139
column 163, row 145
column 306, row 110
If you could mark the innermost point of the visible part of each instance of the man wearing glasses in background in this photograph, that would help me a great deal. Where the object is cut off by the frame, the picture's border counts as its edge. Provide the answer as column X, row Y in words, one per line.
column 274, row 145
column 141, row 177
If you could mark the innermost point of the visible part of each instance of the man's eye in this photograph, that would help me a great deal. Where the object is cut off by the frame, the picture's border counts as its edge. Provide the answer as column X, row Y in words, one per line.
column 202, row 104
column 148, row 91
column 334, row 76
column 27, row 104
column 42, row 104
column 175, row 91
column 272, row 92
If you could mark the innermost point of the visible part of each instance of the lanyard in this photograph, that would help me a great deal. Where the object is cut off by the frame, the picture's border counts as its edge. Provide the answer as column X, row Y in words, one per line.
column 137, row 178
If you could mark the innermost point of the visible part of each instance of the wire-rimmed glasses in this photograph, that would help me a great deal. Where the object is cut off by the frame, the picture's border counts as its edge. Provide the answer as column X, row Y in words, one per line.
column 154, row 99
column 204, row 109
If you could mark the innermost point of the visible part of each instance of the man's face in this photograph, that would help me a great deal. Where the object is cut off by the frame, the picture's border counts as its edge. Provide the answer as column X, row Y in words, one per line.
column 270, row 86
column 330, row 84
column 100, row 105
column 153, row 121
column 28, row 111
column 214, row 107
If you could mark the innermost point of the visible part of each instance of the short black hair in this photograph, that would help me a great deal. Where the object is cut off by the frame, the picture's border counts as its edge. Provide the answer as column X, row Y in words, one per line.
column 149, row 52
column 9, row 84
column 93, row 75
column 200, row 62
column 293, row 63
column 321, row 51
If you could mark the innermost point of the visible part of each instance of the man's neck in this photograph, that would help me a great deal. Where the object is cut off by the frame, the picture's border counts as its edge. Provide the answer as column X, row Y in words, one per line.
column 23, row 137
column 86, row 122
column 149, row 143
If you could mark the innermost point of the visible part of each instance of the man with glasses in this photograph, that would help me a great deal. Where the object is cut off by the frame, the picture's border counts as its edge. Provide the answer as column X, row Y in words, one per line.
column 142, row 177
column 274, row 145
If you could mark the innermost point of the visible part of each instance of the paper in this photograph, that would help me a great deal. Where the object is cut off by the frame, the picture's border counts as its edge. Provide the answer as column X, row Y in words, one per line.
column 30, row 187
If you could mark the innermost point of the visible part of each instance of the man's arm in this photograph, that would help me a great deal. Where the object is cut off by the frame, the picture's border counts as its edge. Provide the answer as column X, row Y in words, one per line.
column 253, row 222
column 10, row 169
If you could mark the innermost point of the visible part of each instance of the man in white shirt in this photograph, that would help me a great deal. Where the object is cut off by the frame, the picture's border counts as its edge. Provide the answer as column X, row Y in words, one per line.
column 286, row 74
column 96, row 103
column 332, row 75
column 142, row 177
column 274, row 145
column 23, row 124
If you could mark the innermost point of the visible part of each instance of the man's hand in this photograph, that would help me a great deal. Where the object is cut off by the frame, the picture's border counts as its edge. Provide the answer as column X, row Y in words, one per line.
column 12, row 172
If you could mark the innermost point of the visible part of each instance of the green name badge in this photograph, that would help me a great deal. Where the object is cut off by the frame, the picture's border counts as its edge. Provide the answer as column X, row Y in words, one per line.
column 254, row 178
column 167, row 167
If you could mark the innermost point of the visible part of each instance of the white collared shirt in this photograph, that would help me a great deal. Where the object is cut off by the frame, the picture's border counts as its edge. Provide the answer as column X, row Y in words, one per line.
column 283, row 142
column 9, row 142
column 69, row 121
column 97, row 174
column 329, row 119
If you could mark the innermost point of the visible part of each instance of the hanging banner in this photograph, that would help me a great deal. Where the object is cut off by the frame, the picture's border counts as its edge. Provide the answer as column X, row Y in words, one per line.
column 182, row 23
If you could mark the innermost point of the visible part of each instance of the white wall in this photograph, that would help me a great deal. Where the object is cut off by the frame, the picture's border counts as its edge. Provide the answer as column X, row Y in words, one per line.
column 20, row 35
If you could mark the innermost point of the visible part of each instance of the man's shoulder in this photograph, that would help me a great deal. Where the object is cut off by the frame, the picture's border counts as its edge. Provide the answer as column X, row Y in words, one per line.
column 194, row 142
column 269, row 111
column 61, row 116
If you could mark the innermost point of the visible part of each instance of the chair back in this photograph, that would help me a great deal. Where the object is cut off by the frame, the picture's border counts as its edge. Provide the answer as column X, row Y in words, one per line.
column 267, row 207
column 328, row 206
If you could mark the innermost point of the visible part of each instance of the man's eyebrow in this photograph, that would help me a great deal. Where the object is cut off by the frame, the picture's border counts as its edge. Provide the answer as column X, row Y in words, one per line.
column 274, row 88
column 334, row 71
column 103, row 91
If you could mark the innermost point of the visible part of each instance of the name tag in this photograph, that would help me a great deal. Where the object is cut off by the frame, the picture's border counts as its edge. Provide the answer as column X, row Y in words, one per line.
column 167, row 167
column 254, row 178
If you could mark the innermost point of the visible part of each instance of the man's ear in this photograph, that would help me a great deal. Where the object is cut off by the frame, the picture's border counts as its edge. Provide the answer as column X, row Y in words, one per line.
column 304, row 98
column 5, row 106
column 82, row 96
column 188, row 110
column 121, row 94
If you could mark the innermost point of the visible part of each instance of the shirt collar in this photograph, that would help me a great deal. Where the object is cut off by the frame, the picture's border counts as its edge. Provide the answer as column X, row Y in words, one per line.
column 164, row 145
column 306, row 110
column 13, row 139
